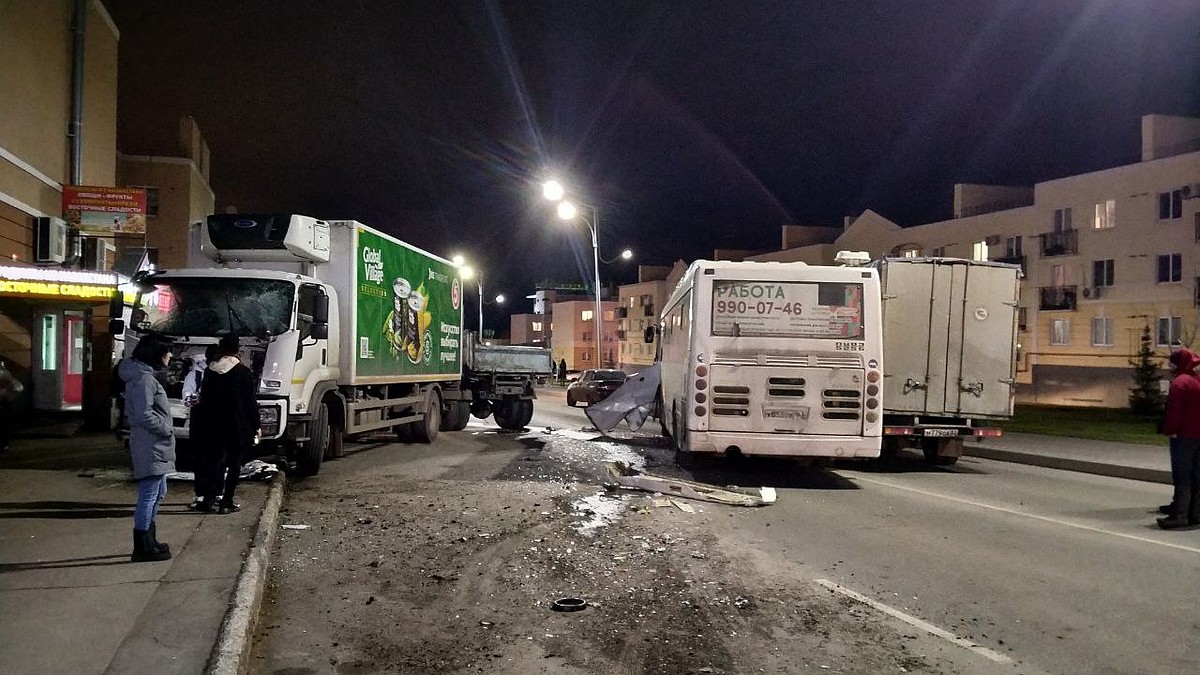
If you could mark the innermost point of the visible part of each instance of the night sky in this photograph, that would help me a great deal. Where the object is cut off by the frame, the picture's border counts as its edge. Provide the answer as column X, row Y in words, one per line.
column 691, row 125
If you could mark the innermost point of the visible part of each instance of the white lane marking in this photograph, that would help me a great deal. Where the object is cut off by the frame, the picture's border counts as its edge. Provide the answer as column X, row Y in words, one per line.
column 915, row 622
column 1047, row 519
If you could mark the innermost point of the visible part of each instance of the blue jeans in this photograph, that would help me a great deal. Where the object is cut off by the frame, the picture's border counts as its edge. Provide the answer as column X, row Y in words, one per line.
column 1185, row 472
column 151, row 491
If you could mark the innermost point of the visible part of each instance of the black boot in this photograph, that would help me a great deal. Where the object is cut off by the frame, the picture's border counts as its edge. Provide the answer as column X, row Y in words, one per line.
column 158, row 546
column 144, row 550
column 1172, row 522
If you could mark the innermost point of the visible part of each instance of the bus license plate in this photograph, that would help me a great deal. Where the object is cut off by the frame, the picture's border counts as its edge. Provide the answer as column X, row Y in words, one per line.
column 940, row 433
column 786, row 413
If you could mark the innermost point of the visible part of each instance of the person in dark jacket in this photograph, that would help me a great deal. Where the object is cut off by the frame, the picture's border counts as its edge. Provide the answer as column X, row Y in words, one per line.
column 230, row 415
column 208, row 454
column 151, row 441
column 1181, row 424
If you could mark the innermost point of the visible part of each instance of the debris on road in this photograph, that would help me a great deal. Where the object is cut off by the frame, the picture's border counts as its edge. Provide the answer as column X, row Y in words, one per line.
column 294, row 527
column 633, row 479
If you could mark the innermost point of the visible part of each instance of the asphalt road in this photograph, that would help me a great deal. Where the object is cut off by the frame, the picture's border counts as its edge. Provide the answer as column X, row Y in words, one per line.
column 1043, row 571
column 1059, row 570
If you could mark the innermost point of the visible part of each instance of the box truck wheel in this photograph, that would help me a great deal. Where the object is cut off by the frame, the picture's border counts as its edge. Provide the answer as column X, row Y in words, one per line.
column 426, row 430
column 942, row 451
column 456, row 416
column 312, row 451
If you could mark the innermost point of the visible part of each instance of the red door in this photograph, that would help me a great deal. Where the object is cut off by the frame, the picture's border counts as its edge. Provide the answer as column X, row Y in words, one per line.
column 72, row 360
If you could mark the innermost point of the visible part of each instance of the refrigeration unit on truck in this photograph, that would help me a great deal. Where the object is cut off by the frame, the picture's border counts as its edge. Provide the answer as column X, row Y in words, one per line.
column 950, row 339
column 347, row 330
column 767, row 358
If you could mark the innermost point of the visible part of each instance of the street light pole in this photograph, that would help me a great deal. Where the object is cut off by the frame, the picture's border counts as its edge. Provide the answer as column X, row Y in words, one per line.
column 553, row 190
column 479, row 285
column 594, row 226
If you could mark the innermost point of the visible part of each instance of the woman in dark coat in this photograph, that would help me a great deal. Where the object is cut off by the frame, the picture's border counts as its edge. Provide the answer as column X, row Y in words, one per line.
column 230, row 415
column 151, row 441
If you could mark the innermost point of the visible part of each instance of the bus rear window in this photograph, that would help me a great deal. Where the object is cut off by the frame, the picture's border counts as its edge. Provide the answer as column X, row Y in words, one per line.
column 828, row 310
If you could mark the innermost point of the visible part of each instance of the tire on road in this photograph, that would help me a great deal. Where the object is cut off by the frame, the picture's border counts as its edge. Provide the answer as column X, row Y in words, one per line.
column 312, row 451
column 426, row 430
column 512, row 414
column 456, row 416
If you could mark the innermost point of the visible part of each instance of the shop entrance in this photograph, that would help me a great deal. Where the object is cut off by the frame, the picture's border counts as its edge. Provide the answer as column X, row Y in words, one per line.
column 59, row 344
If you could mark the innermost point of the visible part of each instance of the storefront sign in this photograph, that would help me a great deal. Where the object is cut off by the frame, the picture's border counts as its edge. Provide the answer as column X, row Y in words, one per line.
column 105, row 210
column 56, row 283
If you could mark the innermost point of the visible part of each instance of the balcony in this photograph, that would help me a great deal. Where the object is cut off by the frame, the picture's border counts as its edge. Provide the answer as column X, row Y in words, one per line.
column 1056, row 298
column 1013, row 260
column 1065, row 242
column 648, row 310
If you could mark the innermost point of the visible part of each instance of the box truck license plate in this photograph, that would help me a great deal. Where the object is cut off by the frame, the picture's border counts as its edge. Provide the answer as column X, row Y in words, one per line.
column 941, row 432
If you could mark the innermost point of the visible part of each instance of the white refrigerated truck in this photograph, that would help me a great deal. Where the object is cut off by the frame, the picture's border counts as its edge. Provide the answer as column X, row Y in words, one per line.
column 768, row 358
column 950, row 340
column 347, row 330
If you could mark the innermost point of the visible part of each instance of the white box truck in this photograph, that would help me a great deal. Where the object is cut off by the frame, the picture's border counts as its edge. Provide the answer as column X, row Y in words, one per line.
column 950, row 348
column 348, row 330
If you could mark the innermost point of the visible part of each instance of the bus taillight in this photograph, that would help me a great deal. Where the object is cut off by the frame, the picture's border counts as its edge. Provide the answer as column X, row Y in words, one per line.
column 701, row 370
column 700, row 397
column 872, row 376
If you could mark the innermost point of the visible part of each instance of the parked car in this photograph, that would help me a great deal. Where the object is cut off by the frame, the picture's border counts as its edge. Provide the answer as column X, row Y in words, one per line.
column 594, row 386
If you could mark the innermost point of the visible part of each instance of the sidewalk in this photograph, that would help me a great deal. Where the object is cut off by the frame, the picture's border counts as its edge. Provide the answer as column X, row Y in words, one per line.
column 74, row 603
column 1150, row 463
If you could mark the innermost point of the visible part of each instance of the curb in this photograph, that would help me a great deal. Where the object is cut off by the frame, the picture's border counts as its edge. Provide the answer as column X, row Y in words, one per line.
column 237, row 628
column 1068, row 464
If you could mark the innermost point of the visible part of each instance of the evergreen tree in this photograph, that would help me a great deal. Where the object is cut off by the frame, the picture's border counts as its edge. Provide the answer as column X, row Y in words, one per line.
column 1145, row 397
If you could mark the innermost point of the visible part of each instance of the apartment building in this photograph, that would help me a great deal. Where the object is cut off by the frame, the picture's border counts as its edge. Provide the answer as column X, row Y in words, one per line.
column 1105, row 255
column 533, row 329
column 640, row 304
column 573, row 336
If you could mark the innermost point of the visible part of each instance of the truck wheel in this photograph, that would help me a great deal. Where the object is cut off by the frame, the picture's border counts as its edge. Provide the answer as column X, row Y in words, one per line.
column 930, row 447
column 337, row 443
column 456, row 420
column 426, row 431
column 510, row 414
column 404, row 433
column 308, row 462
column 525, row 410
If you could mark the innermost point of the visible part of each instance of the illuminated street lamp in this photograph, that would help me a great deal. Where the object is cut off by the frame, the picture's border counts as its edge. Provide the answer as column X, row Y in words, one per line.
column 466, row 273
column 627, row 254
column 553, row 190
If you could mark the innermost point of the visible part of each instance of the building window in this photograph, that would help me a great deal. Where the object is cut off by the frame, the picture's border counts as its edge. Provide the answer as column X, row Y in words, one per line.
column 939, row 252
column 586, row 315
column 1102, row 272
column 912, row 253
column 1102, row 331
column 1060, row 331
column 1022, row 318
column 151, row 199
column 1170, row 330
column 536, row 326
column 1106, row 215
column 585, row 337
column 1062, row 220
column 979, row 250
column 1169, row 268
column 1012, row 247
column 1170, row 205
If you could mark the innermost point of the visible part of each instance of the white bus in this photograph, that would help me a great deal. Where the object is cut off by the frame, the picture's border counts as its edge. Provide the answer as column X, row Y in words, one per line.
column 767, row 358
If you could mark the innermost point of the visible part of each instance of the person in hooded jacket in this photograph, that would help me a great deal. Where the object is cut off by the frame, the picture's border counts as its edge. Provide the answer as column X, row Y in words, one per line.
column 230, row 417
column 151, row 441
column 1181, row 424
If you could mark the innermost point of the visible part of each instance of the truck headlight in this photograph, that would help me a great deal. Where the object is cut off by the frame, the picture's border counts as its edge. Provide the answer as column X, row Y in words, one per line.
column 268, row 420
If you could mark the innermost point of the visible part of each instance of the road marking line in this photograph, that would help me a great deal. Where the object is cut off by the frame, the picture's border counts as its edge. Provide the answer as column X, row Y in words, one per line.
column 915, row 622
column 1048, row 519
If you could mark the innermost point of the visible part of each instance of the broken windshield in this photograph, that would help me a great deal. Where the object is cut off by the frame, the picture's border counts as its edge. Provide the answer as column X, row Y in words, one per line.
column 213, row 307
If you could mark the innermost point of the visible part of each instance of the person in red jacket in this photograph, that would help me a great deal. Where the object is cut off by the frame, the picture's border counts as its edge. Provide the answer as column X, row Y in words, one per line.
column 1181, row 424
